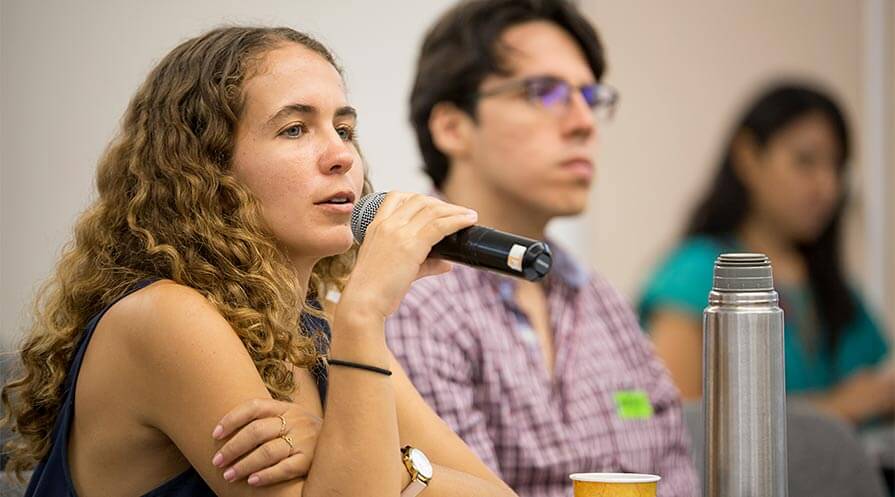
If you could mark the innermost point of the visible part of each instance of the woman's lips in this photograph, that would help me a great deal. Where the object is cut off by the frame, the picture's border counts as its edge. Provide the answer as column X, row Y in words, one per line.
column 345, row 208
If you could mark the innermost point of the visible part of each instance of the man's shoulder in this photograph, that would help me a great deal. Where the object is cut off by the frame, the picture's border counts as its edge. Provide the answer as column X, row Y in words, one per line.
column 603, row 290
column 448, row 302
column 579, row 275
column 606, row 303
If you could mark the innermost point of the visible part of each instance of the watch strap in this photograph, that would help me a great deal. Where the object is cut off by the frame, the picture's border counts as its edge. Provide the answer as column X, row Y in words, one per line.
column 416, row 486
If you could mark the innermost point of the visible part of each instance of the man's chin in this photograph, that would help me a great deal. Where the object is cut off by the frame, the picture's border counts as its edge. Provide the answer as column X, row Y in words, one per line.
column 568, row 208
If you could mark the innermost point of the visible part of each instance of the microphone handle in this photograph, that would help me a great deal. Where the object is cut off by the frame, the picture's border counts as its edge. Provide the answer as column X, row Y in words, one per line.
column 505, row 253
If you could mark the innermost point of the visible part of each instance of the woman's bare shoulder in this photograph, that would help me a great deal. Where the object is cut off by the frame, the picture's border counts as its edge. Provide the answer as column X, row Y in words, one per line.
column 167, row 315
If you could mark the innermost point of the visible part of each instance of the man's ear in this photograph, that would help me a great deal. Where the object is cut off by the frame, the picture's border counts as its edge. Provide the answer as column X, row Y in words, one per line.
column 452, row 130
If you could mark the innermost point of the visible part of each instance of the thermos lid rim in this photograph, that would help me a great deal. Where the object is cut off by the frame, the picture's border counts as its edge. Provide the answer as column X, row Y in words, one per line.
column 743, row 272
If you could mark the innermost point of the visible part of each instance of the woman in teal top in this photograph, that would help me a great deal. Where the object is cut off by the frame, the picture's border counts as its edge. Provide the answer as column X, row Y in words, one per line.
column 779, row 191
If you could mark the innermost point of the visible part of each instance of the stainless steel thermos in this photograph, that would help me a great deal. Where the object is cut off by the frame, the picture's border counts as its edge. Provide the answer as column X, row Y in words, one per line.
column 744, row 402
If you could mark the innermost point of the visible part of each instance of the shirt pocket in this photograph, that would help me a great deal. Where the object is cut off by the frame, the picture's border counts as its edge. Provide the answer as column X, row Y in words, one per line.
column 639, row 424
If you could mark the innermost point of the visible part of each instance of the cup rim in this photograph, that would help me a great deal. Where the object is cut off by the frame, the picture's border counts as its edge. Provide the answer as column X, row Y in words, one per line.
column 615, row 477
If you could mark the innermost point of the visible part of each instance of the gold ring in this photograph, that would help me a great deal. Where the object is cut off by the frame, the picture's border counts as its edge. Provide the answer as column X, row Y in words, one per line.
column 288, row 440
column 282, row 425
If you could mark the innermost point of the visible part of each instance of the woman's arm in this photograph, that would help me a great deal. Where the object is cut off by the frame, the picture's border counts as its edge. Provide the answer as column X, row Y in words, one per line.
column 195, row 369
column 358, row 445
column 860, row 397
column 458, row 471
column 677, row 337
column 393, row 255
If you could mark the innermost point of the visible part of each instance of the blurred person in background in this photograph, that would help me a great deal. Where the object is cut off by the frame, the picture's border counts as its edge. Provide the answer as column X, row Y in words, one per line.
column 780, row 190
column 540, row 379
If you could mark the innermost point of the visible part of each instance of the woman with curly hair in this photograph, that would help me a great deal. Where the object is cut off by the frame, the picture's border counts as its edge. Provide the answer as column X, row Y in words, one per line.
column 178, row 348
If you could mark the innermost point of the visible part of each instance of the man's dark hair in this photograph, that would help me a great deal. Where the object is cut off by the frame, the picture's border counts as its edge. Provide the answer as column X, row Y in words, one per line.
column 463, row 48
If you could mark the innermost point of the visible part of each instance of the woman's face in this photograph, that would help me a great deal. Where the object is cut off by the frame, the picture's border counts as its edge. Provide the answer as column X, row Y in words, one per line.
column 795, row 182
column 295, row 150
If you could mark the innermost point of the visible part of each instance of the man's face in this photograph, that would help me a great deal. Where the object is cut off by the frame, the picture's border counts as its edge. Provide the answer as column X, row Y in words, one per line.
column 536, row 152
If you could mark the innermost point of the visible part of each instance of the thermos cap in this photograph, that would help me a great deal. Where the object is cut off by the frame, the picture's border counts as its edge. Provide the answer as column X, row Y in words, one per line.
column 743, row 273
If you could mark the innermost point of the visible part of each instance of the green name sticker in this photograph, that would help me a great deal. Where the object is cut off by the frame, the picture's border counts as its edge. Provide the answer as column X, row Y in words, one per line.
column 633, row 404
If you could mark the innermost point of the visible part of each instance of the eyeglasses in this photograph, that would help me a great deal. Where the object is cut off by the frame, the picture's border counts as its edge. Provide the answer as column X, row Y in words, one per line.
column 555, row 94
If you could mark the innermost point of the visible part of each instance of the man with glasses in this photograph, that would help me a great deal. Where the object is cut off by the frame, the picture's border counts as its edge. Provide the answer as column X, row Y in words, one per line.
column 540, row 379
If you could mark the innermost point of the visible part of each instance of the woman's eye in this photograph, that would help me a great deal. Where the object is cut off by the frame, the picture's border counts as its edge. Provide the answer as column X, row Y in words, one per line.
column 806, row 160
column 346, row 133
column 293, row 131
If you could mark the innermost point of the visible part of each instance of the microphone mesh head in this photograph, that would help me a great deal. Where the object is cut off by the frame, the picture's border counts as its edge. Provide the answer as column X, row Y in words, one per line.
column 363, row 213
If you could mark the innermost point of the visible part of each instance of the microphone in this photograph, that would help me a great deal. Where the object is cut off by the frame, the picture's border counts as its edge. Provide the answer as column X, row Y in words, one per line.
column 475, row 246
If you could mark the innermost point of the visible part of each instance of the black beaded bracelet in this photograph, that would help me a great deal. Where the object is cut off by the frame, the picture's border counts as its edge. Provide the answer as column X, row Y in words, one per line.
column 355, row 365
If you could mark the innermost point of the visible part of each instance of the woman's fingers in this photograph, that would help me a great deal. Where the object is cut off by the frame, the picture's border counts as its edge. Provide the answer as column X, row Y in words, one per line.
column 248, row 438
column 245, row 413
column 421, row 222
column 436, row 209
column 434, row 230
column 267, row 434
column 395, row 250
column 395, row 212
column 267, row 455
column 392, row 202
column 294, row 466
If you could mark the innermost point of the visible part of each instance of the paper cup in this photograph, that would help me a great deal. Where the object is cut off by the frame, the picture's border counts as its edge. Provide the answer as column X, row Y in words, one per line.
column 614, row 484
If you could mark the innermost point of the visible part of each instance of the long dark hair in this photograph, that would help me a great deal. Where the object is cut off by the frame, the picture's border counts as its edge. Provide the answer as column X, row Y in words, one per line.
column 724, row 208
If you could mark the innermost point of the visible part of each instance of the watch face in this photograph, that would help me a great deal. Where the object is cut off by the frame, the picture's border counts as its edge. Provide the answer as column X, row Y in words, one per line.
column 421, row 463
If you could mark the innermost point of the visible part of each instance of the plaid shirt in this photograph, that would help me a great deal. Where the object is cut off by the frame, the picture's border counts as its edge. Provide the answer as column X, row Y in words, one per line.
column 473, row 355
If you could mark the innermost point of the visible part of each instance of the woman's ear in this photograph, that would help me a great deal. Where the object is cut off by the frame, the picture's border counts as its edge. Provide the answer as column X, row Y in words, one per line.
column 746, row 157
column 451, row 130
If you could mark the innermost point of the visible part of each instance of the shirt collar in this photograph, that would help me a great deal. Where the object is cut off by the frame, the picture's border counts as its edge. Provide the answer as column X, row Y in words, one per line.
column 566, row 268
column 565, row 272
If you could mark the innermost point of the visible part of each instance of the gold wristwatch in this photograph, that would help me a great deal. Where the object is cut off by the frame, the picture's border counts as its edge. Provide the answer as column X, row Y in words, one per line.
column 420, row 471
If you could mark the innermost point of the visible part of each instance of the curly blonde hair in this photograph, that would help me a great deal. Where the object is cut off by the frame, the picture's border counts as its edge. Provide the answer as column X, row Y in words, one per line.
column 168, row 207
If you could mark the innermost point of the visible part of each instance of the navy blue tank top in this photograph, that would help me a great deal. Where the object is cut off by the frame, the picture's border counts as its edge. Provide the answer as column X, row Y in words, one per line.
column 52, row 477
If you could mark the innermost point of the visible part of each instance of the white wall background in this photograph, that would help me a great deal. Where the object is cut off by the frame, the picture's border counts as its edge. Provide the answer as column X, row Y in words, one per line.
column 685, row 69
column 67, row 70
